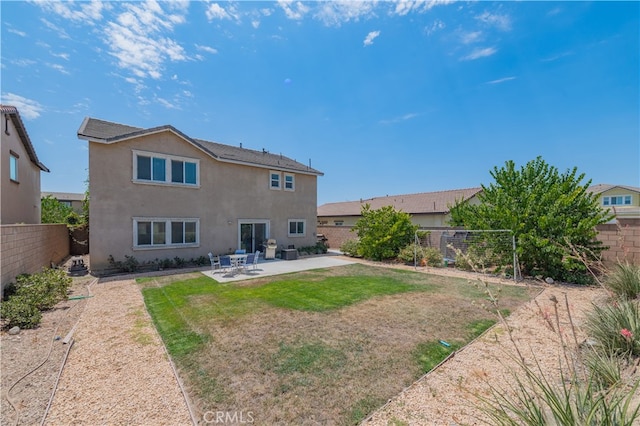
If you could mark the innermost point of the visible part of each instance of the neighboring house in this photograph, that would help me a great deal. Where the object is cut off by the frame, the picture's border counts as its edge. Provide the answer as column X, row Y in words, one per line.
column 157, row 193
column 20, row 171
column 69, row 199
column 427, row 209
column 621, row 200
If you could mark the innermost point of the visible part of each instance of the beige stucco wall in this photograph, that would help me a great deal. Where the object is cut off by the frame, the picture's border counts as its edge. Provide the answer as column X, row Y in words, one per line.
column 26, row 249
column 20, row 200
column 228, row 193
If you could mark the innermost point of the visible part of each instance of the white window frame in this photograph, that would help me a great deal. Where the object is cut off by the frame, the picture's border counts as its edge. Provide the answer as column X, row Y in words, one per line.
column 168, row 237
column 13, row 166
column 338, row 222
column 168, row 169
column 304, row 226
column 606, row 201
column 293, row 182
column 271, row 180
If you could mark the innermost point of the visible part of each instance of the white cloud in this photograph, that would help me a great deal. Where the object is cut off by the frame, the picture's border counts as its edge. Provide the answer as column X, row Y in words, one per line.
column 86, row 12
column 405, row 117
column 64, row 56
column 334, row 13
column 215, row 11
column 20, row 33
column 480, row 53
column 500, row 80
column 295, row 11
column 60, row 31
column 368, row 40
column 136, row 39
column 404, row 7
column 502, row 22
column 471, row 37
column 58, row 68
column 437, row 25
column 255, row 23
column 206, row 49
column 28, row 108
column 23, row 62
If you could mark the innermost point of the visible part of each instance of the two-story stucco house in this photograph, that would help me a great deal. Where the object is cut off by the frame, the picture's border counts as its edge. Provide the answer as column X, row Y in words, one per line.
column 622, row 200
column 157, row 193
column 20, row 171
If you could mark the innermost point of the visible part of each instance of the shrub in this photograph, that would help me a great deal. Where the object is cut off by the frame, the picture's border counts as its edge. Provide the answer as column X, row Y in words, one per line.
column 411, row 253
column 33, row 293
column 432, row 256
column 18, row 311
column 350, row 248
column 383, row 232
column 625, row 281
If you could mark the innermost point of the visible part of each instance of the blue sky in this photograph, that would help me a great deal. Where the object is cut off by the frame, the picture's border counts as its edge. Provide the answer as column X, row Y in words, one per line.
column 383, row 97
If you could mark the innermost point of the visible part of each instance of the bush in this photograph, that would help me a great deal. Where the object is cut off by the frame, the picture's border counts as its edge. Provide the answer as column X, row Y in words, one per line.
column 32, row 294
column 18, row 311
column 625, row 281
column 430, row 255
column 350, row 248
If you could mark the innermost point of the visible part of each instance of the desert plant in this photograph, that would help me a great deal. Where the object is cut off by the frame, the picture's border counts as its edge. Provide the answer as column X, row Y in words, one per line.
column 616, row 327
column 625, row 281
column 351, row 248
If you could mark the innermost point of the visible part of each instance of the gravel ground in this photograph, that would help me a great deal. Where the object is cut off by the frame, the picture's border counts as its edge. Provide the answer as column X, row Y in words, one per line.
column 448, row 394
column 117, row 371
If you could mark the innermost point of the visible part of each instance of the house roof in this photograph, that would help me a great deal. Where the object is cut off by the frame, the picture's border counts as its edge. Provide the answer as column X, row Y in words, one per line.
column 63, row 196
column 422, row 203
column 95, row 130
column 14, row 115
column 603, row 187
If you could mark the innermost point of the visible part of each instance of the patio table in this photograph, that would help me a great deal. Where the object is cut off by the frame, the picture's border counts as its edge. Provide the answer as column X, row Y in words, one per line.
column 237, row 260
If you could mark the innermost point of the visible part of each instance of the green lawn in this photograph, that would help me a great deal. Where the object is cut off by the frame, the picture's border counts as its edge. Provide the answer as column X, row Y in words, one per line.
column 330, row 345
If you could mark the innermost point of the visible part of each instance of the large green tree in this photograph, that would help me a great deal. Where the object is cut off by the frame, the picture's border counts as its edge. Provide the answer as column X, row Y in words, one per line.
column 552, row 215
column 53, row 211
column 383, row 232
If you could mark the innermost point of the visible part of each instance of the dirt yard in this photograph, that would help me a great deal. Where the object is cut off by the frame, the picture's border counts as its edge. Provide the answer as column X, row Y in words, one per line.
column 99, row 386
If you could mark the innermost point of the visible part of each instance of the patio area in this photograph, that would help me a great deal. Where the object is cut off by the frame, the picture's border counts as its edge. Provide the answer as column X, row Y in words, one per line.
column 270, row 267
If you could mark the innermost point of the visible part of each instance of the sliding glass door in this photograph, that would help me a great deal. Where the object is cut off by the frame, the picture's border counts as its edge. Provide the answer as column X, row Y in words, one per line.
column 253, row 234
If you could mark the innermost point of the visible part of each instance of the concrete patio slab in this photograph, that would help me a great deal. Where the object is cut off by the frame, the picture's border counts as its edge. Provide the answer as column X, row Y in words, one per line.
column 270, row 267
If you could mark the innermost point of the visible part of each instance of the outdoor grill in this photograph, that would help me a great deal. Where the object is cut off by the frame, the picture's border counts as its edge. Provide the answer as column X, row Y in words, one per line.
column 270, row 250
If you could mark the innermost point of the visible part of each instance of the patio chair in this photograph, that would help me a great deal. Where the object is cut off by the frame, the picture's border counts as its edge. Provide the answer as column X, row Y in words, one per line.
column 252, row 261
column 225, row 264
column 215, row 262
column 247, row 262
column 241, row 251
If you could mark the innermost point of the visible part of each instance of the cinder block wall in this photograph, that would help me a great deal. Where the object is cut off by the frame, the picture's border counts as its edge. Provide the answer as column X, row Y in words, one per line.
column 336, row 235
column 623, row 240
column 26, row 249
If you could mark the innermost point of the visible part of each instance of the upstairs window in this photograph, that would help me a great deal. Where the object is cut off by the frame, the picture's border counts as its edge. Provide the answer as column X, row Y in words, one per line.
column 289, row 182
column 167, row 169
column 297, row 228
column 274, row 180
column 618, row 200
column 13, row 166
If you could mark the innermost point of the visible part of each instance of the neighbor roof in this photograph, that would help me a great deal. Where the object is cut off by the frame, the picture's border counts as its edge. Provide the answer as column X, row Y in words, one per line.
column 106, row 132
column 422, row 203
column 603, row 187
column 63, row 196
column 12, row 112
